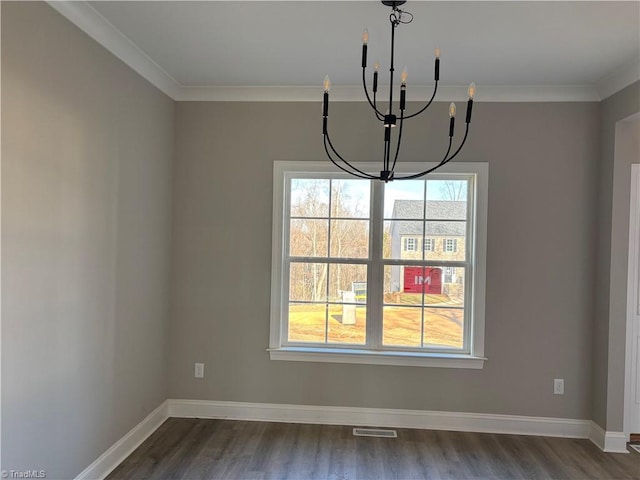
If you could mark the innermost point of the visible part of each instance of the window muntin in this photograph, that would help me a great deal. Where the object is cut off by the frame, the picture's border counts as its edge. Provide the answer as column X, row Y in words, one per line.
column 425, row 321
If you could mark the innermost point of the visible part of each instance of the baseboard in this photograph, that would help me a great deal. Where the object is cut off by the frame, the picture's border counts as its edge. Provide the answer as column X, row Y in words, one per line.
column 610, row 442
column 382, row 417
column 613, row 442
column 120, row 450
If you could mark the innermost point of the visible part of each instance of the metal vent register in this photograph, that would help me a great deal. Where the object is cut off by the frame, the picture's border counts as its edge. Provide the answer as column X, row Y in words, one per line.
column 374, row 432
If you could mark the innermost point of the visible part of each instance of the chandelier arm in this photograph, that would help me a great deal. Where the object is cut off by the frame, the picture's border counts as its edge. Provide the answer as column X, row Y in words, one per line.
column 379, row 115
column 466, row 133
column 359, row 173
column 442, row 162
column 395, row 159
column 326, row 149
column 427, row 105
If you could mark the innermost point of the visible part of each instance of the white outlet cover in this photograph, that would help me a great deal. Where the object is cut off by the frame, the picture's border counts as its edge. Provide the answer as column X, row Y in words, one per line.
column 558, row 386
column 199, row 370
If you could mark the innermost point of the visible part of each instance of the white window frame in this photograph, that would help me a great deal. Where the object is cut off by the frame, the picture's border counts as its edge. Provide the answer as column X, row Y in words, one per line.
column 476, row 277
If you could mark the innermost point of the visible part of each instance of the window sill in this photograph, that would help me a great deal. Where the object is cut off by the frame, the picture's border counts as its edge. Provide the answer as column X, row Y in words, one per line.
column 372, row 357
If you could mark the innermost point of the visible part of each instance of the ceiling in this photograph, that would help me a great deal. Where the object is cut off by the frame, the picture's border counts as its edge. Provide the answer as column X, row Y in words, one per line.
column 241, row 44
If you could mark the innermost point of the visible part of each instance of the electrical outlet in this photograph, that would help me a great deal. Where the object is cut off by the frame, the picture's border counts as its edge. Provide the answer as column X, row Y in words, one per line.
column 558, row 386
column 199, row 370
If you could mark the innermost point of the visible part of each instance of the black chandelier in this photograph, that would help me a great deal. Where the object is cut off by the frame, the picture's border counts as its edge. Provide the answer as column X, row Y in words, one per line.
column 390, row 119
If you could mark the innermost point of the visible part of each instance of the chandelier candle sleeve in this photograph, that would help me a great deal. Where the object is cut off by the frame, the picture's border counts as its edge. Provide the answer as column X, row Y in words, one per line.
column 376, row 66
column 325, row 104
column 365, row 40
column 436, row 75
column 472, row 92
column 452, row 119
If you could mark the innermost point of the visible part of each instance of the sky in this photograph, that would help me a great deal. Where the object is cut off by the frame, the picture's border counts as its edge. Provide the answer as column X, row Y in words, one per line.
column 398, row 190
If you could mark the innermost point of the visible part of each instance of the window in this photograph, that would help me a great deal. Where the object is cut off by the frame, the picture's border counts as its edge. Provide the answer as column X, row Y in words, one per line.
column 410, row 244
column 449, row 274
column 428, row 244
column 349, row 283
column 450, row 245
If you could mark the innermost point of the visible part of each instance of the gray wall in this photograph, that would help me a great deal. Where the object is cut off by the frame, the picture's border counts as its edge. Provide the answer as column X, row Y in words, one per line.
column 86, row 180
column 613, row 238
column 543, row 161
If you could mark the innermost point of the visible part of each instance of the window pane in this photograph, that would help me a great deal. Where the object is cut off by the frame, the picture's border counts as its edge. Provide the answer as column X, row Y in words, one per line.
column 442, row 286
column 347, row 283
column 308, row 282
column 402, row 239
column 404, row 199
column 307, row 322
column 309, row 197
column 443, row 327
column 350, row 198
column 447, row 190
column 347, row 323
column 350, row 238
column 449, row 240
column 402, row 326
column 453, row 286
column 405, row 285
column 308, row 238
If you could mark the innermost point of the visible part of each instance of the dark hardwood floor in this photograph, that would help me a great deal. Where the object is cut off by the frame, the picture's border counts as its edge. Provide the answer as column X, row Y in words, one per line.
column 185, row 448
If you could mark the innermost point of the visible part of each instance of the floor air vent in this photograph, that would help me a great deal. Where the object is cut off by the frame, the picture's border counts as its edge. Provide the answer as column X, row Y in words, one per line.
column 374, row 432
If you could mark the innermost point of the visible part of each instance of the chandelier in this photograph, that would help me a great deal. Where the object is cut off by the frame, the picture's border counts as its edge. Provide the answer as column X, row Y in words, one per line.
column 390, row 119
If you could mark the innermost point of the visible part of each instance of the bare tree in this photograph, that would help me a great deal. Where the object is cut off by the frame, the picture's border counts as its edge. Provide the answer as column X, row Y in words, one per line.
column 309, row 237
column 453, row 190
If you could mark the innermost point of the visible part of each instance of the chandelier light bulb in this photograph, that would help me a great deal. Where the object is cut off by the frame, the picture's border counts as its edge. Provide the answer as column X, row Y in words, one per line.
column 472, row 90
column 452, row 110
column 404, row 75
column 376, row 66
column 365, row 36
column 327, row 84
column 437, row 52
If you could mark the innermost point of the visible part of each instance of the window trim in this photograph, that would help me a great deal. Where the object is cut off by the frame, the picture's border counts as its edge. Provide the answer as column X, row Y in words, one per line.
column 283, row 170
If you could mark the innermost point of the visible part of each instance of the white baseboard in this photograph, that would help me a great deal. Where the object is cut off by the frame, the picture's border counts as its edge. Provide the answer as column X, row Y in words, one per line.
column 610, row 442
column 382, row 417
column 120, row 450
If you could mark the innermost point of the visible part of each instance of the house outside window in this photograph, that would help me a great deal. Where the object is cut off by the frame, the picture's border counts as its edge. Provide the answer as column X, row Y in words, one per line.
column 349, row 283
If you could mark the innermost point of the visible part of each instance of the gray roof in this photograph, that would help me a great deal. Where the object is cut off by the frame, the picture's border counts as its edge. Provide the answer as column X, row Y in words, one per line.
column 437, row 210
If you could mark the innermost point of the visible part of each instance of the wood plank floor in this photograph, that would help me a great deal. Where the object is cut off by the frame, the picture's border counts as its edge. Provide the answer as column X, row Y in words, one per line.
column 184, row 448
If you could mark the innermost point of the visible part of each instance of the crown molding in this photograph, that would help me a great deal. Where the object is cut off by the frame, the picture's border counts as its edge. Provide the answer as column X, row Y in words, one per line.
column 618, row 79
column 486, row 93
column 87, row 19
